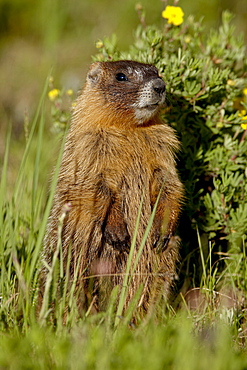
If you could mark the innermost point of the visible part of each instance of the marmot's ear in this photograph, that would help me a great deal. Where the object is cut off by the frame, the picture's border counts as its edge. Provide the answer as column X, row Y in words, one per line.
column 94, row 72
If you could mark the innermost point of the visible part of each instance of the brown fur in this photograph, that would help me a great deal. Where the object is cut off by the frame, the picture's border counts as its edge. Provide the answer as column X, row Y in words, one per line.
column 117, row 151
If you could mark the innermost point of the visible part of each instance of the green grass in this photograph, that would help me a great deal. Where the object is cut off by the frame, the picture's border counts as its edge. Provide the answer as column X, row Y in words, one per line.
column 173, row 343
column 176, row 337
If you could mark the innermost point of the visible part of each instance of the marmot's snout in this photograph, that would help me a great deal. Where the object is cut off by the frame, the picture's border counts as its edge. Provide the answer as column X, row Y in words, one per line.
column 159, row 86
column 151, row 97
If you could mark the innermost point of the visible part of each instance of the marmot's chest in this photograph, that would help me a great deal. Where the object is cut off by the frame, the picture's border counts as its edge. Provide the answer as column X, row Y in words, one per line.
column 118, row 158
column 126, row 149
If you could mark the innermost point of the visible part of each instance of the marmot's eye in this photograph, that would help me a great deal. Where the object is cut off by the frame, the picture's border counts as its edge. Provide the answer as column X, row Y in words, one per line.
column 121, row 77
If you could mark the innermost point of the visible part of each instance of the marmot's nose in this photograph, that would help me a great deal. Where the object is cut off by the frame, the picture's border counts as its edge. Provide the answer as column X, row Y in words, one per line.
column 159, row 86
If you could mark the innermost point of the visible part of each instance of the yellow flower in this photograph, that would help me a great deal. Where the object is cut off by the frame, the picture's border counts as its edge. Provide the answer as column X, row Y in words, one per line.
column 99, row 44
column 70, row 92
column 231, row 82
column 245, row 91
column 187, row 39
column 243, row 115
column 174, row 14
column 53, row 94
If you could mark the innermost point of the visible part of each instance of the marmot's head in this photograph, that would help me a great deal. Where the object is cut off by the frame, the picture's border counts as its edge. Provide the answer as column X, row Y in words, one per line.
column 128, row 89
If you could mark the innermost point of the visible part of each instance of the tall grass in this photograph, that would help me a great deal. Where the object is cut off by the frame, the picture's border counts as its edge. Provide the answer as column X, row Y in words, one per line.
column 23, row 218
column 208, row 335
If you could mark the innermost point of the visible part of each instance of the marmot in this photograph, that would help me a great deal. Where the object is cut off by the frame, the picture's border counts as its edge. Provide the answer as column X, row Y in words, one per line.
column 118, row 155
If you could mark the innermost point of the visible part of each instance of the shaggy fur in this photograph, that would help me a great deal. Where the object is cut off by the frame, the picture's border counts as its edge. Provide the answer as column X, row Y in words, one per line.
column 118, row 151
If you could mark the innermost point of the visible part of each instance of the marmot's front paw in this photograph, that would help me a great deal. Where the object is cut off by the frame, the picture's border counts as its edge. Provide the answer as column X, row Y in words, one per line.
column 117, row 236
column 166, row 242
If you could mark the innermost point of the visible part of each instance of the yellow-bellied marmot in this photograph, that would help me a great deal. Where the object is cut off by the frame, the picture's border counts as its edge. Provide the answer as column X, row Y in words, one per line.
column 117, row 153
